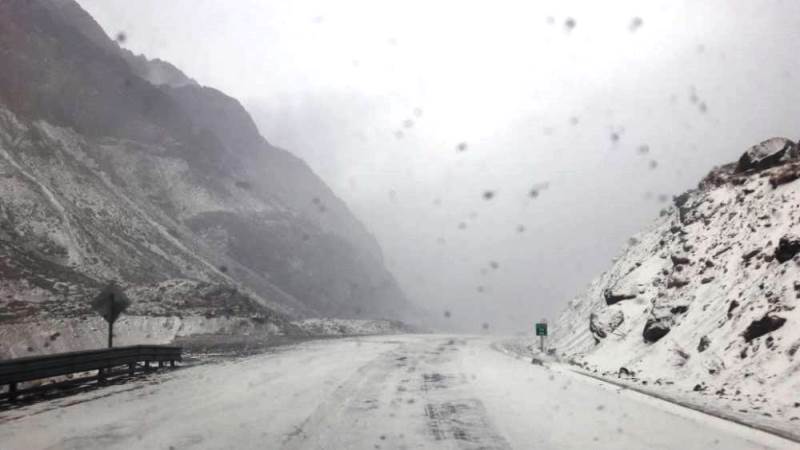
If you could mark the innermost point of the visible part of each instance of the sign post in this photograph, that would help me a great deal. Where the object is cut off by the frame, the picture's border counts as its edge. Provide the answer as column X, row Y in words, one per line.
column 541, row 331
column 110, row 303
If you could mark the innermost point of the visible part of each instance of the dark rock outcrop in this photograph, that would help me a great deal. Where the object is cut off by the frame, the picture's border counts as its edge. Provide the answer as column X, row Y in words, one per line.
column 747, row 256
column 677, row 282
column 655, row 329
column 784, row 175
column 732, row 306
column 625, row 372
column 684, row 207
column 770, row 153
column 678, row 260
column 762, row 326
column 703, row 344
column 603, row 324
column 679, row 309
column 613, row 298
column 788, row 247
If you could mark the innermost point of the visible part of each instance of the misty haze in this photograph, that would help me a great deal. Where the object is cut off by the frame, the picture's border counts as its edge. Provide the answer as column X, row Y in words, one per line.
column 333, row 225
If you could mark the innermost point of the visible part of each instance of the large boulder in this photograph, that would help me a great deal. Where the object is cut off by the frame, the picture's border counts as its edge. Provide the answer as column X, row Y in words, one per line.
column 604, row 323
column 686, row 207
column 762, row 326
column 612, row 297
column 786, row 174
column 655, row 329
column 703, row 345
column 676, row 281
column 770, row 153
column 788, row 246
column 679, row 259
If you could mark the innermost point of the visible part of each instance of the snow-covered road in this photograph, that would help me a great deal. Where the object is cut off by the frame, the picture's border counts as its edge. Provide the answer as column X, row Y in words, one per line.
column 421, row 391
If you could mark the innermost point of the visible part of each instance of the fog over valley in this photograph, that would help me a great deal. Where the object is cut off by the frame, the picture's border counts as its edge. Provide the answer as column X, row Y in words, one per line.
column 501, row 154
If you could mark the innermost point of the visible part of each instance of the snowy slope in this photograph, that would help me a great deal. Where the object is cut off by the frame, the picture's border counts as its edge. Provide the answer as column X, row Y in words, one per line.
column 706, row 301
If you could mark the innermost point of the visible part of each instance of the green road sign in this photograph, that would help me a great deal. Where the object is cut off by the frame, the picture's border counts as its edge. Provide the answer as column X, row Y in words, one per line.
column 541, row 329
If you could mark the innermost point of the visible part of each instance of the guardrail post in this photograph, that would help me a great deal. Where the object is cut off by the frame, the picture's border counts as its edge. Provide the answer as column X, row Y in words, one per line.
column 12, row 392
column 172, row 363
column 147, row 365
column 131, row 368
column 101, row 376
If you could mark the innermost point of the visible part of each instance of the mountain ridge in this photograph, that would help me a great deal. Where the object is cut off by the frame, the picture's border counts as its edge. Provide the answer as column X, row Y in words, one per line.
column 112, row 172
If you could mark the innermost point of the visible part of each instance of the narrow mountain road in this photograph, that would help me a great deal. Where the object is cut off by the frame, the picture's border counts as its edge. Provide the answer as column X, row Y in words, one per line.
column 391, row 392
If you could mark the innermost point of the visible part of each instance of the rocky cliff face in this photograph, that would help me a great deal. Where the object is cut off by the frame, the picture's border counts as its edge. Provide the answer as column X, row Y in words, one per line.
column 708, row 298
column 116, row 166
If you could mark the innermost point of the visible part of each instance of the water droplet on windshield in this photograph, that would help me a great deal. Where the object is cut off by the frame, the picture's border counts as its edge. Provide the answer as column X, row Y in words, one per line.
column 636, row 23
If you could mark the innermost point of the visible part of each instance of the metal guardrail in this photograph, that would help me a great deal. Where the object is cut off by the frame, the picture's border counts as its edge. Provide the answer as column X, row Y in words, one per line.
column 14, row 371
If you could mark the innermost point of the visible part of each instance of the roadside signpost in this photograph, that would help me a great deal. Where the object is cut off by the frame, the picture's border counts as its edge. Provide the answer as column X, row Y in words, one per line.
column 541, row 331
column 110, row 303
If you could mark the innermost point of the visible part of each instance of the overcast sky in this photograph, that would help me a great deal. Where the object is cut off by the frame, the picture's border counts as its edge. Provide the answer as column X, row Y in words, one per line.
column 606, row 109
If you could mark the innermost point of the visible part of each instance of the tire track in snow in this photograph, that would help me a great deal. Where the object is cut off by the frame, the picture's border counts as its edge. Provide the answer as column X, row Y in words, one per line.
column 451, row 416
column 335, row 421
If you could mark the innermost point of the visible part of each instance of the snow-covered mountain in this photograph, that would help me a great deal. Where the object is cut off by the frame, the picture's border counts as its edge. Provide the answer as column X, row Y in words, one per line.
column 114, row 166
column 706, row 301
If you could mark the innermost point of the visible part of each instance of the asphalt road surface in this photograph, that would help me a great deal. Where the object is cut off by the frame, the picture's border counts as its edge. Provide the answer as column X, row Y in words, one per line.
column 390, row 392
